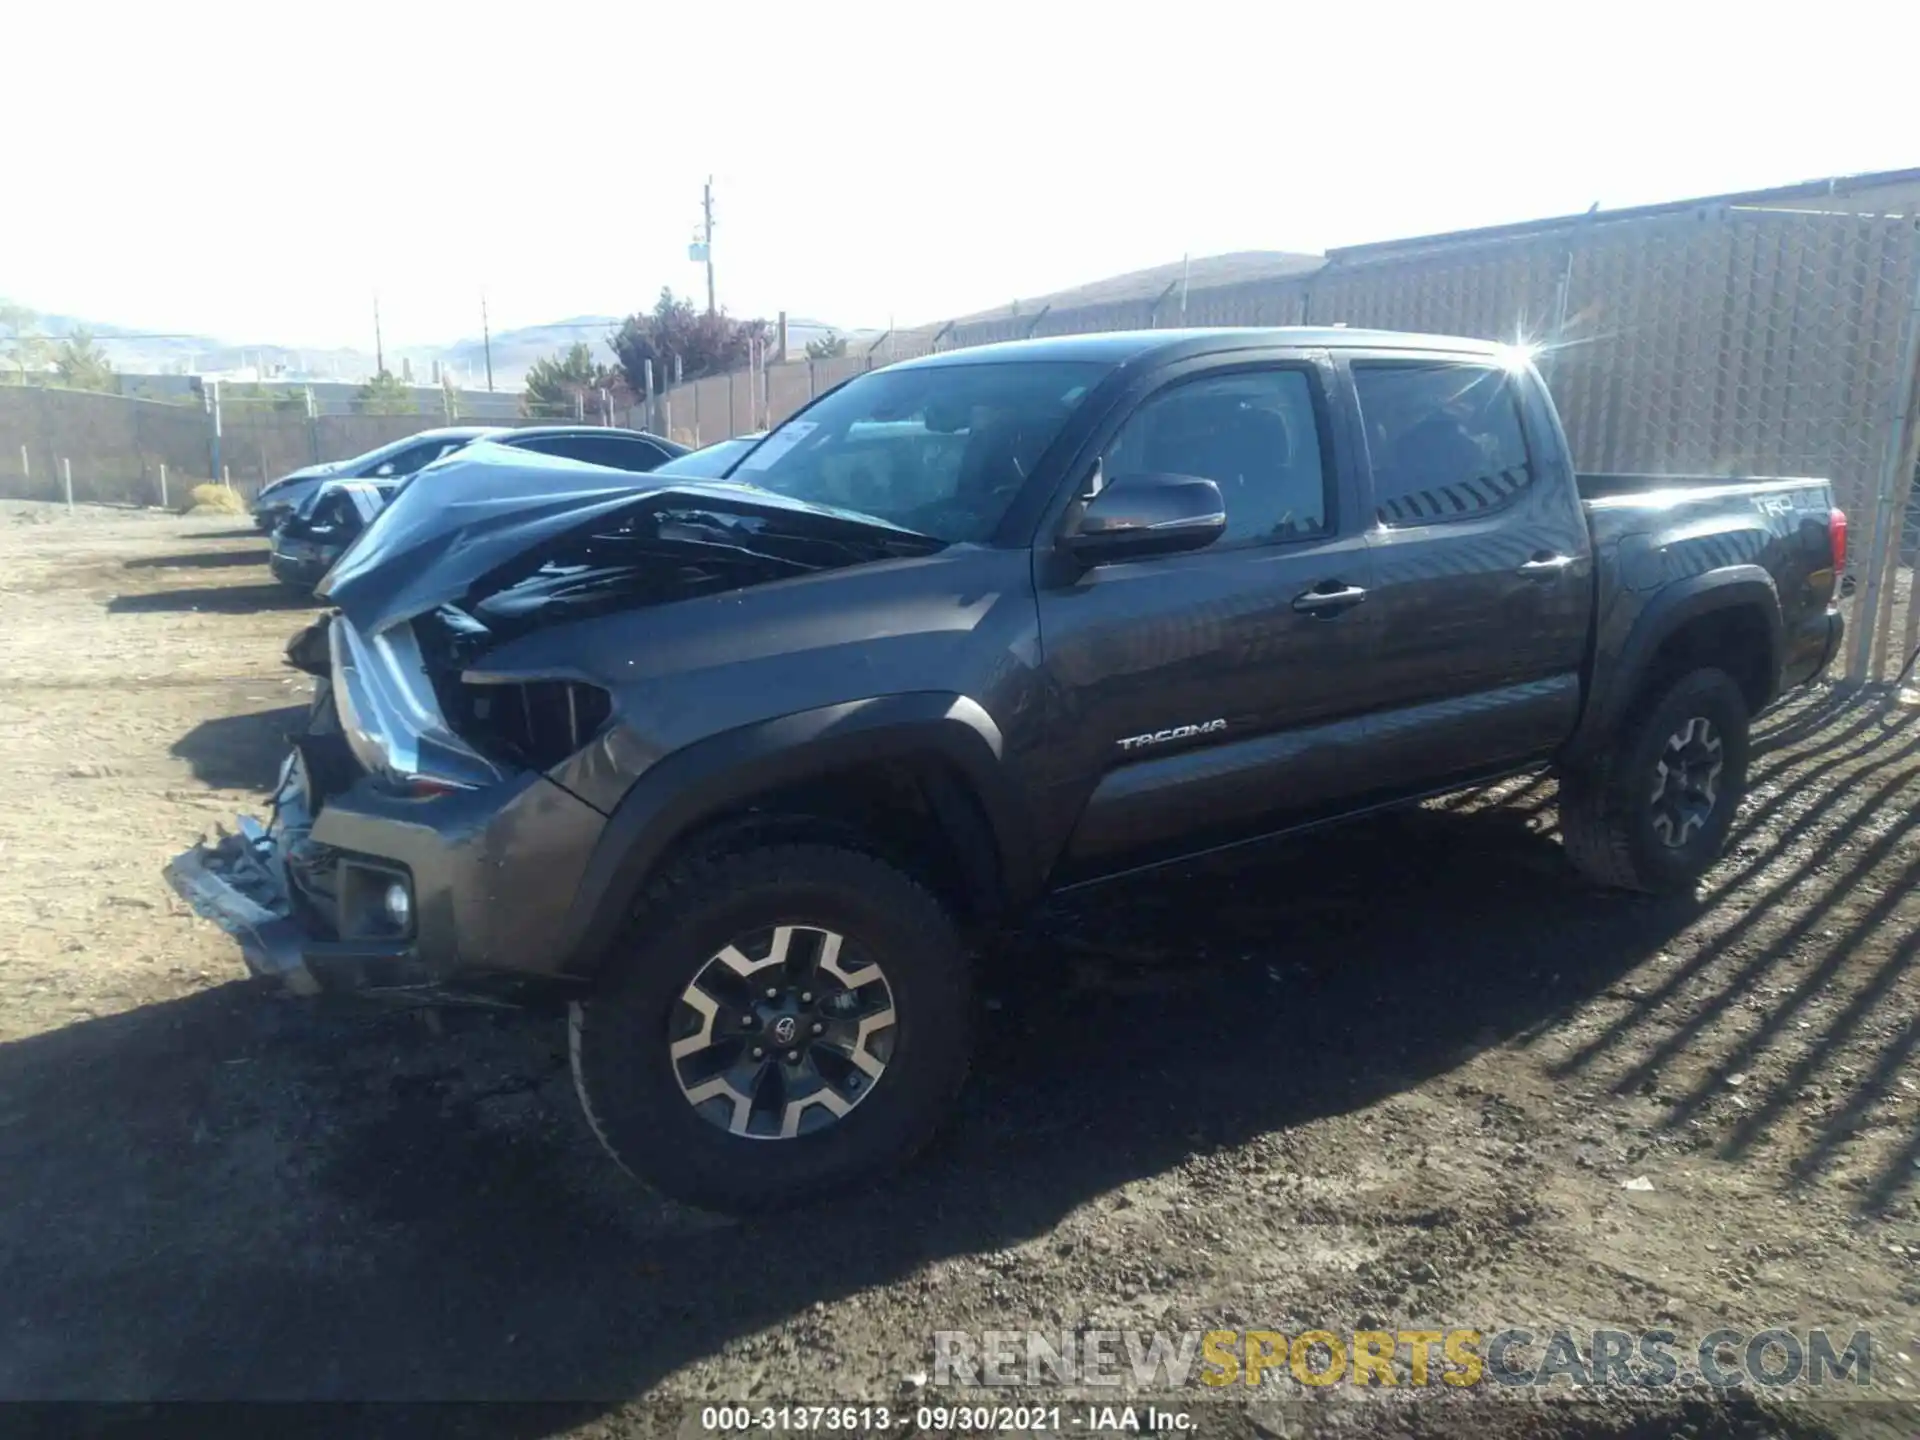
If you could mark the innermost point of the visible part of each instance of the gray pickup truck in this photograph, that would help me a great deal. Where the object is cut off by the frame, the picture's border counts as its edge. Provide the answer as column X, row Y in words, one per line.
column 747, row 767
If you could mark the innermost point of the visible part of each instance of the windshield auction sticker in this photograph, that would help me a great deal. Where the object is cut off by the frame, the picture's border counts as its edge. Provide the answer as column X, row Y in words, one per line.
column 777, row 444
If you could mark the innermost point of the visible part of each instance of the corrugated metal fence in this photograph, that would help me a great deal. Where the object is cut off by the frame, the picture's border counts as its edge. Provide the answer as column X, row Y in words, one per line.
column 1721, row 340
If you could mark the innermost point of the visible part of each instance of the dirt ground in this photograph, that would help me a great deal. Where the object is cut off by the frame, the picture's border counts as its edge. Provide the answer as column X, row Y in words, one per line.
column 1399, row 1073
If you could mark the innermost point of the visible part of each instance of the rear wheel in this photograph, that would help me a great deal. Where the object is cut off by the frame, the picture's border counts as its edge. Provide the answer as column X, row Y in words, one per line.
column 782, row 1023
column 1653, row 811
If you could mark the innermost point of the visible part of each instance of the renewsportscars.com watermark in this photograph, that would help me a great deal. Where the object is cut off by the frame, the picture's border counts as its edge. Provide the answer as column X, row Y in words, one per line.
column 1513, row 1358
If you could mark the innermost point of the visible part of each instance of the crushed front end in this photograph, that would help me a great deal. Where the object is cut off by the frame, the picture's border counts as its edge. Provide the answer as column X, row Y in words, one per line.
column 421, row 838
column 398, row 857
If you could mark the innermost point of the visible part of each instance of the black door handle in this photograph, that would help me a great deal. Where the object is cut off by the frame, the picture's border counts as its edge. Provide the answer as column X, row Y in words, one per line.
column 1328, row 599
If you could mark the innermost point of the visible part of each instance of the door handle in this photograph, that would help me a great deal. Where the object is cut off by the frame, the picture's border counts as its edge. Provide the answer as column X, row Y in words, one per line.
column 1545, row 567
column 1322, row 602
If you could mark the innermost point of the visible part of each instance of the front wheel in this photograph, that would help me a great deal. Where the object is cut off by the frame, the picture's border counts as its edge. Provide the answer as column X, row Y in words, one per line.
column 778, row 1024
column 1652, row 812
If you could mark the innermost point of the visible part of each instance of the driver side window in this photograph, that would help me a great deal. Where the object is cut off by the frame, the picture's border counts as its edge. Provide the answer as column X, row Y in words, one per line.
column 1254, row 433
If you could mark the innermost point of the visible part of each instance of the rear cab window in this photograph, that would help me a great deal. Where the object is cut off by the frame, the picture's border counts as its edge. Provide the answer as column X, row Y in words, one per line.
column 1444, row 439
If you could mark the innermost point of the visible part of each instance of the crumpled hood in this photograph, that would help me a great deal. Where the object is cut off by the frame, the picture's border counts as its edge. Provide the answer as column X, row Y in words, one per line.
column 475, row 513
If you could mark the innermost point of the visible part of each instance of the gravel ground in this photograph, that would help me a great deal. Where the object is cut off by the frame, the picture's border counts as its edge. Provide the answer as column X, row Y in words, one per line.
column 1400, row 1074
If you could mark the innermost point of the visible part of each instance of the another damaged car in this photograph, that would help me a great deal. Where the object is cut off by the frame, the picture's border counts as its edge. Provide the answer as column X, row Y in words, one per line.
column 308, row 542
column 747, row 767
column 280, row 500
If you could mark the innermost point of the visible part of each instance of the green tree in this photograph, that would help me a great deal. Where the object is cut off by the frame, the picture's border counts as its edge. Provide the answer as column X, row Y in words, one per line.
column 81, row 364
column 569, row 380
column 384, row 395
column 829, row 346
column 705, row 344
column 22, row 346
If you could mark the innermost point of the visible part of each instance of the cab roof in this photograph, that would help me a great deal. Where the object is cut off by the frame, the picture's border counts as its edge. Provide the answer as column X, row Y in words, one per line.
column 1118, row 347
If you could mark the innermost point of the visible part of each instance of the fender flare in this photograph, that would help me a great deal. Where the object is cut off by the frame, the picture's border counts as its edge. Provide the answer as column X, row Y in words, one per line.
column 691, row 785
column 1730, row 587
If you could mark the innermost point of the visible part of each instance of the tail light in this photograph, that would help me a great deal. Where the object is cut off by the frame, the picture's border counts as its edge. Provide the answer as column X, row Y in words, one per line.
column 1837, row 535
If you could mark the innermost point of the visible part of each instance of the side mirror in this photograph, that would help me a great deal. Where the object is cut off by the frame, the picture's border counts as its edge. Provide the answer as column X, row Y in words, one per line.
column 1134, row 516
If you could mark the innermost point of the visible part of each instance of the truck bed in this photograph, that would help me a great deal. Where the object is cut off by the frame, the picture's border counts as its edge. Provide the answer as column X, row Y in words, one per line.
column 1603, row 486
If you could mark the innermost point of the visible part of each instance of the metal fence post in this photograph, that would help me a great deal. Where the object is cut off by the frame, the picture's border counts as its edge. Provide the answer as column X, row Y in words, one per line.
column 1909, row 459
column 26, row 471
column 163, row 485
column 213, row 409
column 696, row 414
column 66, row 480
column 1884, row 527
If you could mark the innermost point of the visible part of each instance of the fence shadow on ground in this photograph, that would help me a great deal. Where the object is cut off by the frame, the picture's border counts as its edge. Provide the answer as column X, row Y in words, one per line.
column 200, row 560
column 215, row 600
column 1753, row 1039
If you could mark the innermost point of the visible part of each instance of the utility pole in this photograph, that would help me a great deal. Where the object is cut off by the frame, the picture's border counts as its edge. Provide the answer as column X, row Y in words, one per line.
column 706, row 236
column 486, row 340
column 379, row 355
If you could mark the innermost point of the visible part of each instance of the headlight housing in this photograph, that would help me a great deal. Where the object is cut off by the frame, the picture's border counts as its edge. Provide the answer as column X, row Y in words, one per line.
column 391, row 717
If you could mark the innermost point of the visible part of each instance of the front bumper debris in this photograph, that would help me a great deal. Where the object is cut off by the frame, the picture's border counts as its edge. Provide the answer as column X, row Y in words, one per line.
column 240, row 883
column 303, row 894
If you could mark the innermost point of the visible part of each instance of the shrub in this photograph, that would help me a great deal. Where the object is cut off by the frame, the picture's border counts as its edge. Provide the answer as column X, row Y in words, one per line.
column 212, row 499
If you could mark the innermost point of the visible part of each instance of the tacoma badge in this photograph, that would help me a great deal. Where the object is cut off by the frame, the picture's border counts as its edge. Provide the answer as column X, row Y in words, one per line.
column 1178, row 732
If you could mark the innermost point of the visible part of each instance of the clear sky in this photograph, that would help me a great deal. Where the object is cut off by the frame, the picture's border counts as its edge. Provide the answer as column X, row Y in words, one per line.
column 256, row 172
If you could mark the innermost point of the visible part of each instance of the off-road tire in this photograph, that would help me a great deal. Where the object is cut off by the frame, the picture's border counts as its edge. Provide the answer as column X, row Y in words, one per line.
column 1606, row 810
column 619, row 1034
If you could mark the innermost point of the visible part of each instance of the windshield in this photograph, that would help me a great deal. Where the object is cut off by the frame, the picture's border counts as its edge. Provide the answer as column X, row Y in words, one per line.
column 941, row 449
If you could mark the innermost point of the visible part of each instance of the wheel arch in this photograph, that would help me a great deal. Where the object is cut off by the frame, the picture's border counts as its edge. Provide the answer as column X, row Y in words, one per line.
column 1728, row 618
column 824, row 769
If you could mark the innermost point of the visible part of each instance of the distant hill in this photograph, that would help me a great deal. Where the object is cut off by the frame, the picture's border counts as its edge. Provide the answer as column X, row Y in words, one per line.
column 514, row 351
column 175, row 353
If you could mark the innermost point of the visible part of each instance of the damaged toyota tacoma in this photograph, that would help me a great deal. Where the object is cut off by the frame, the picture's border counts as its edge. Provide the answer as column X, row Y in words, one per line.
column 746, row 768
